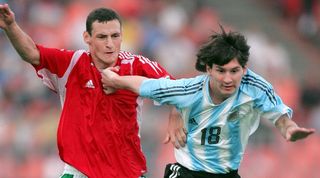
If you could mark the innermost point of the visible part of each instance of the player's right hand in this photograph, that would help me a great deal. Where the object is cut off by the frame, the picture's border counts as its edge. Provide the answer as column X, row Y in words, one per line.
column 6, row 16
column 296, row 133
column 176, row 132
column 108, row 75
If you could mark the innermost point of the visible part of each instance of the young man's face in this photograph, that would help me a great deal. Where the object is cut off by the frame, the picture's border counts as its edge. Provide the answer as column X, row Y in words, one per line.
column 104, row 42
column 225, row 80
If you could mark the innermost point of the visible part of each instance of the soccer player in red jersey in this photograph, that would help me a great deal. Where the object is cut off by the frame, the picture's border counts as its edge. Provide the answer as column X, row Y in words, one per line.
column 98, row 134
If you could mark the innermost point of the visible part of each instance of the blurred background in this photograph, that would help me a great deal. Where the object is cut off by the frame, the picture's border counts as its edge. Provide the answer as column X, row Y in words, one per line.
column 285, row 49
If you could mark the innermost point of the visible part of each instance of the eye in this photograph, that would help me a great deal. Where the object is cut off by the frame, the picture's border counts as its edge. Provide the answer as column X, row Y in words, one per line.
column 116, row 35
column 234, row 70
column 101, row 36
column 220, row 70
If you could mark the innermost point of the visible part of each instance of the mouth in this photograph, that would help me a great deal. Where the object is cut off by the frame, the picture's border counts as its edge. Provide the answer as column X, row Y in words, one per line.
column 228, row 88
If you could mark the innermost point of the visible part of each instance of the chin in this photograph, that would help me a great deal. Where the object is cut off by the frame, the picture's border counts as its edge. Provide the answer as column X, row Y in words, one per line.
column 228, row 93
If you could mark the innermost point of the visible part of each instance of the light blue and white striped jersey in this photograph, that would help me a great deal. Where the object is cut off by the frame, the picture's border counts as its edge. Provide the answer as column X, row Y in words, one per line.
column 217, row 134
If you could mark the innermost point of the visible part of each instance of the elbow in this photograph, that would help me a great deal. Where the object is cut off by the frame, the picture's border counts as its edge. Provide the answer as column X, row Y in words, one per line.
column 32, row 57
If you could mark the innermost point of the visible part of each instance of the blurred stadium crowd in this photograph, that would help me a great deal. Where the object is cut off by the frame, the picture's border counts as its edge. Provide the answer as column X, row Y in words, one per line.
column 169, row 31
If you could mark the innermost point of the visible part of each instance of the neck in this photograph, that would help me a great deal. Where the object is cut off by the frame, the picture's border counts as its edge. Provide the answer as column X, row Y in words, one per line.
column 214, row 97
column 100, row 65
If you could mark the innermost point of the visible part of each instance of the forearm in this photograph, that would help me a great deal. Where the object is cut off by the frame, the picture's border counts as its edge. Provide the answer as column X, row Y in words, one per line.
column 283, row 123
column 23, row 44
column 131, row 83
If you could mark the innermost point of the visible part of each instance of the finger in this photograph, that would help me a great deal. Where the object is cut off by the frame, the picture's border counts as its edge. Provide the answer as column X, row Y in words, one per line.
column 106, row 92
column 185, row 130
column 181, row 138
column 109, row 90
column 106, row 87
column 114, row 69
column 184, row 135
column 117, row 68
column 166, row 139
column 106, row 71
column 173, row 141
column 300, row 135
column 6, row 9
column 311, row 130
column 177, row 145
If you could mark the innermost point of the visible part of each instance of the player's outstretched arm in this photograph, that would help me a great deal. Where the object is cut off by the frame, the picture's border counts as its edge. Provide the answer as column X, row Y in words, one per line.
column 23, row 44
column 111, row 79
column 290, row 130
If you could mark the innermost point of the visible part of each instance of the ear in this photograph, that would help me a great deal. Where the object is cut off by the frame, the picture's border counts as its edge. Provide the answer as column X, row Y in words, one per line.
column 209, row 69
column 245, row 69
column 86, row 37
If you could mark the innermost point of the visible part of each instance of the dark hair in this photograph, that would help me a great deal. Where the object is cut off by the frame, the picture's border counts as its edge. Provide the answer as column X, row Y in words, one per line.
column 221, row 49
column 101, row 15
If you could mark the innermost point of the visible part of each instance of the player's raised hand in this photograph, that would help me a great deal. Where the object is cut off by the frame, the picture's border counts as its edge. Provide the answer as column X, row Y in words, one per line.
column 6, row 16
column 296, row 133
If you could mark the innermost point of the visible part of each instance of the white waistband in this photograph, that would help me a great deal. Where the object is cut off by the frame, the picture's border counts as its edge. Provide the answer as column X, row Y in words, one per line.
column 68, row 169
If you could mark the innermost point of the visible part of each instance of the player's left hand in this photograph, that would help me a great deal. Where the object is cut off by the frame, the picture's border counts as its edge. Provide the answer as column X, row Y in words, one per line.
column 296, row 133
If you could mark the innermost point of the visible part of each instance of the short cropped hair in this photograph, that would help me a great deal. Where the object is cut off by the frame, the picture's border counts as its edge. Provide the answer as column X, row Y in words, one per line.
column 221, row 49
column 101, row 15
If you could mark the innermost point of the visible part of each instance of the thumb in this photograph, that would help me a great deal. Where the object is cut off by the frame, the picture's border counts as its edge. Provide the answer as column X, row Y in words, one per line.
column 114, row 69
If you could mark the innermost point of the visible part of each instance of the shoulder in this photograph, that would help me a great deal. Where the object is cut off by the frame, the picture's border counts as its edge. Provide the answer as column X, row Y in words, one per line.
column 48, row 50
column 254, row 84
column 198, row 80
column 194, row 83
column 126, row 57
column 79, row 53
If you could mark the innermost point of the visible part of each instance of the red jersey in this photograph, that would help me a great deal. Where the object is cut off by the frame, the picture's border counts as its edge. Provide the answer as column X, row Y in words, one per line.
column 98, row 134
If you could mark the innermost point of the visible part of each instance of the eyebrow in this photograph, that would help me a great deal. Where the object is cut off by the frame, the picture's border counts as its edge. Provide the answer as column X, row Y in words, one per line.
column 234, row 68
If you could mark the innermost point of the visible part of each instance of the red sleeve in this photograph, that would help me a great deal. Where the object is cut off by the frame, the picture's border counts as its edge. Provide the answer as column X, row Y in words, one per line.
column 55, row 60
column 151, row 69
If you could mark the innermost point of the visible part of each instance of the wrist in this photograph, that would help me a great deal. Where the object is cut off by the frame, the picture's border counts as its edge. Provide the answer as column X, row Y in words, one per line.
column 10, row 27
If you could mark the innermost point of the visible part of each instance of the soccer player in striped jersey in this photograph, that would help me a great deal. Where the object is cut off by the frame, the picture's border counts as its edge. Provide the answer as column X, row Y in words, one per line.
column 220, row 109
column 98, row 134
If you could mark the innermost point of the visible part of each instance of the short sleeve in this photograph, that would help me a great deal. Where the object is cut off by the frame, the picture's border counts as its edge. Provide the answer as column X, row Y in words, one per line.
column 181, row 92
column 271, row 106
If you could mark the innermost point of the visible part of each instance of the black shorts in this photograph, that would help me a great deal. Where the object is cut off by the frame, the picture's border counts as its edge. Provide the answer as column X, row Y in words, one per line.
column 176, row 170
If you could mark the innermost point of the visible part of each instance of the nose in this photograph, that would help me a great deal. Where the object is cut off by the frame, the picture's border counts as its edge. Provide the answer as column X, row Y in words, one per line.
column 227, row 78
column 109, row 42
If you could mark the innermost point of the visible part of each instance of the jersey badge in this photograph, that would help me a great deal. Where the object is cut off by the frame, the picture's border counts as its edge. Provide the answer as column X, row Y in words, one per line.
column 89, row 84
column 233, row 115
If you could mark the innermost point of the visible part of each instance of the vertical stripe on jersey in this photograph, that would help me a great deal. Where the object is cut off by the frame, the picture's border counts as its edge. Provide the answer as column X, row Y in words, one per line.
column 55, row 83
column 63, row 80
column 219, row 117
column 139, row 102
